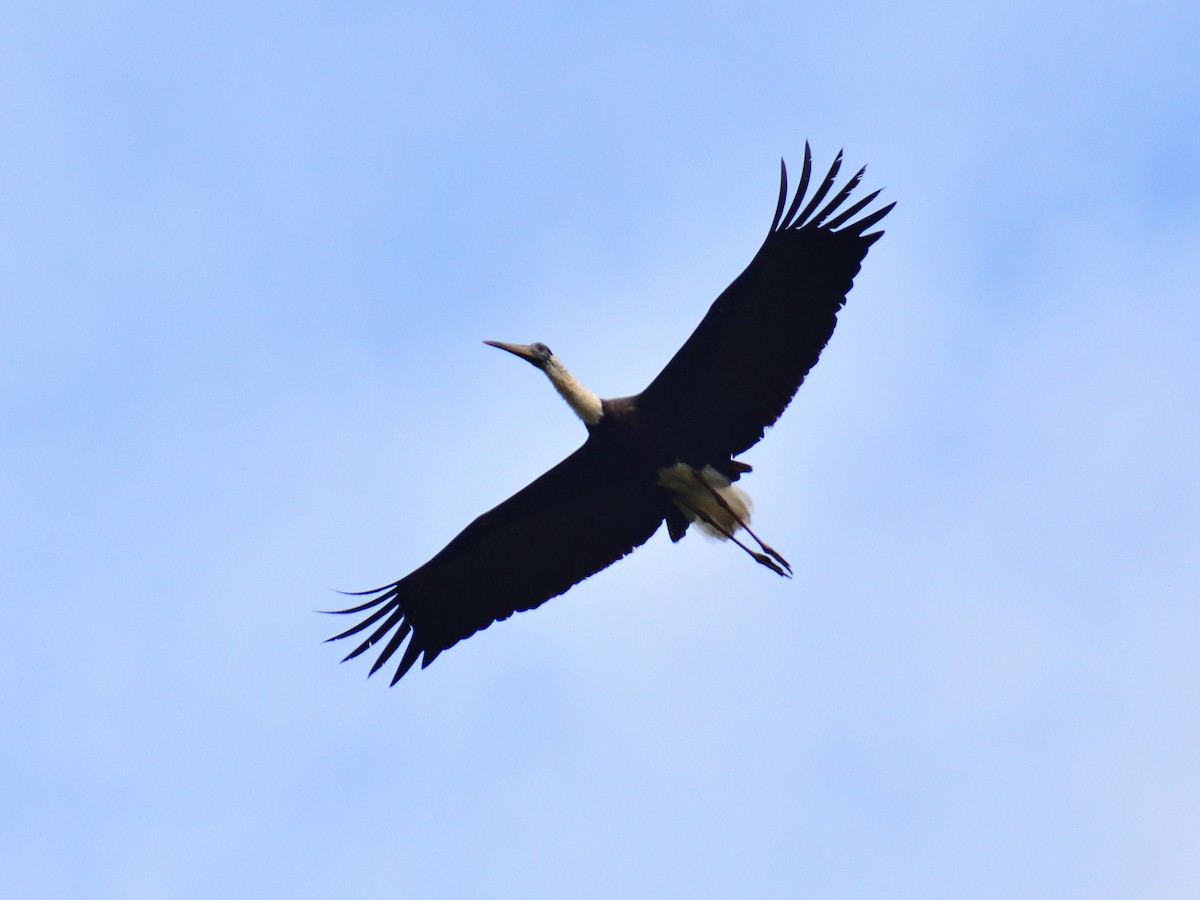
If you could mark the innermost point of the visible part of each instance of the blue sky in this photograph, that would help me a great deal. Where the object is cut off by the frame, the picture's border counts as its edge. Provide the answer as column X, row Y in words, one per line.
column 248, row 255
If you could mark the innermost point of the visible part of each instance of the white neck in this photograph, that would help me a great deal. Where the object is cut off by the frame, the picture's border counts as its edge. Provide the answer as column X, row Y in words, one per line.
column 585, row 404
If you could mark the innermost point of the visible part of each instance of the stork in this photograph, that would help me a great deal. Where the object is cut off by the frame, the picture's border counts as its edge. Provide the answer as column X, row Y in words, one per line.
column 664, row 455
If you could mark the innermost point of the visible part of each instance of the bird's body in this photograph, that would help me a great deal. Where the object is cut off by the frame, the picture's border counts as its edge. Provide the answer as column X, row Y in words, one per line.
column 666, row 454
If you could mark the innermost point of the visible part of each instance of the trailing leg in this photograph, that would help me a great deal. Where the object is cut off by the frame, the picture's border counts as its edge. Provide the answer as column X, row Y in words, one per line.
column 741, row 522
column 760, row 558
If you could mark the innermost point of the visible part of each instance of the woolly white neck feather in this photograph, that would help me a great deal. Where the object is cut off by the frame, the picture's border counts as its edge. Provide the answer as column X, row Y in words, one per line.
column 583, row 402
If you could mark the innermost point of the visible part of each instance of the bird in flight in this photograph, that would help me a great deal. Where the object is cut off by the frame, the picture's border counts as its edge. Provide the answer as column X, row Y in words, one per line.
column 664, row 455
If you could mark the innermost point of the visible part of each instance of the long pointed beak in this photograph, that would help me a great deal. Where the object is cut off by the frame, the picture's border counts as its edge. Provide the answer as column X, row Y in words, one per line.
column 525, row 351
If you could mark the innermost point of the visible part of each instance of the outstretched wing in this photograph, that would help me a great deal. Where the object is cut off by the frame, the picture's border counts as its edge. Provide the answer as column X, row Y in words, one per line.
column 742, row 365
column 576, row 519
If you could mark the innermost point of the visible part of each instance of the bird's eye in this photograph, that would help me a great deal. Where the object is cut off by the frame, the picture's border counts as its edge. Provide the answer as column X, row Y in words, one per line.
column 541, row 349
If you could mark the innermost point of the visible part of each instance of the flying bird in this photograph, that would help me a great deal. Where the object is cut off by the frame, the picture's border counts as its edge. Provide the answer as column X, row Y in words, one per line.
column 664, row 455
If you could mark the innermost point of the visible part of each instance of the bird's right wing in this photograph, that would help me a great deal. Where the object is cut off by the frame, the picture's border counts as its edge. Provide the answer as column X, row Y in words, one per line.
column 741, row 366
column 573, row 521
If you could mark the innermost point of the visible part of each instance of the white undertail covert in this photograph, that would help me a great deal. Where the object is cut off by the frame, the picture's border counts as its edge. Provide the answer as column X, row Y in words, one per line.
column 693, row 491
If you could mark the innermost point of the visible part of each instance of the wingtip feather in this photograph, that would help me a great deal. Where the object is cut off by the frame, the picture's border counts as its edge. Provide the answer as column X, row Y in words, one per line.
column 826, row 184
column 411, row 652
column 849, row 213
column 782, row 193
column 864, row 223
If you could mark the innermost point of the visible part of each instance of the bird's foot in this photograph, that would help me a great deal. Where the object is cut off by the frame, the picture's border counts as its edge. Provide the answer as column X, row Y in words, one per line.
column 771, row 564
column 778, row 557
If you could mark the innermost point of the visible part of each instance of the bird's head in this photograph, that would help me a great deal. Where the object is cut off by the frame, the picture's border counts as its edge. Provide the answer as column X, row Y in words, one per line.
column 587, row 405
column 536, row 354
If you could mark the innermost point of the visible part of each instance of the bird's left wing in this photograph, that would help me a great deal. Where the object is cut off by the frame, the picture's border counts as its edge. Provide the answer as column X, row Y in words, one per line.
column 741, row 366
column 576, row 519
